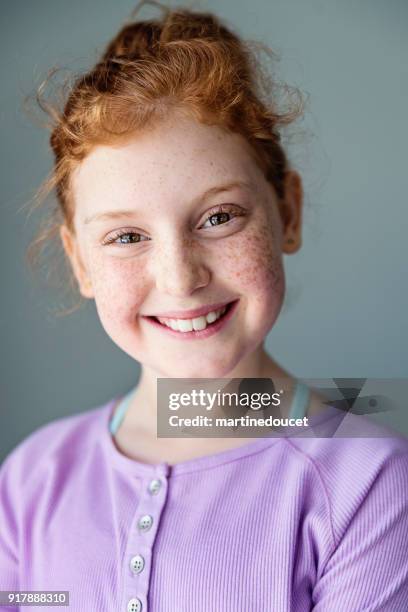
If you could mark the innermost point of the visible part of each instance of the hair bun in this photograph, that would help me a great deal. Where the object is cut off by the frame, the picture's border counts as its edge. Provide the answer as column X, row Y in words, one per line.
column 183, row 25
column 133, row 41
column 143, row 38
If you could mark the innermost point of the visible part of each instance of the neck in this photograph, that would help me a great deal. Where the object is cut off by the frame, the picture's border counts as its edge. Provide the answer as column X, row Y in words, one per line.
column 142, row 412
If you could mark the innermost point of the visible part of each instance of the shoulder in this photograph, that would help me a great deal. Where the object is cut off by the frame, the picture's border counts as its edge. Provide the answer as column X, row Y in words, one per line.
column 358, row 469
column 348, row 454
column 363, row 476
column 38, row 472
column 54, row 445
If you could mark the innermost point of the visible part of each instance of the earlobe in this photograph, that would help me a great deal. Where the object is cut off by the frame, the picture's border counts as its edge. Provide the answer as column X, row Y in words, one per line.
column 291, row 213
column 71, row 249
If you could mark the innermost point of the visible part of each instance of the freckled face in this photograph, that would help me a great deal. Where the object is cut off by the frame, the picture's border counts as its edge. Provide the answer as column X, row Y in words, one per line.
column 174, row 254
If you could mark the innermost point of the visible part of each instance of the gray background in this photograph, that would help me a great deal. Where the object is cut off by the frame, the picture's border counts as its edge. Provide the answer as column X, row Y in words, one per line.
column 345, row 313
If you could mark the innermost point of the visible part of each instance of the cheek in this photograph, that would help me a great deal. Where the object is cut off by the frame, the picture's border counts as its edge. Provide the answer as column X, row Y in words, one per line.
column 254, row 263
column 119, row 286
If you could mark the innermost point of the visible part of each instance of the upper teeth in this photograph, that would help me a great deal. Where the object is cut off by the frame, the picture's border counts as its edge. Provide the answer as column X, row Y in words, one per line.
column 197, row 324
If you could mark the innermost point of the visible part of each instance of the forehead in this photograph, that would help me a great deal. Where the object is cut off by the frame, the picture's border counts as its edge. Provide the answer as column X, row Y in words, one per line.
column 175, row 158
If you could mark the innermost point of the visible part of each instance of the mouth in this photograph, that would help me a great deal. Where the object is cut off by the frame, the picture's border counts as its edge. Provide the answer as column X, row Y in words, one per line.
column 198, row 327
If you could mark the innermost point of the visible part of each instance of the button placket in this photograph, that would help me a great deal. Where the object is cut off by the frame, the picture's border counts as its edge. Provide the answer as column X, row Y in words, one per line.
column 142, row 537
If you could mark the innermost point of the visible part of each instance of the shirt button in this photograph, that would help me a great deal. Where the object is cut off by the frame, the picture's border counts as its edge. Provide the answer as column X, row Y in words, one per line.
column 154, row 486
column 134, row 605
column 145, row 522
column 137, row 564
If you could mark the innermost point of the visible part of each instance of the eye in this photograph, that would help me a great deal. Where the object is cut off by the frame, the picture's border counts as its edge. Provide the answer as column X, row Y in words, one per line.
column 125, row 237
column 221, row 215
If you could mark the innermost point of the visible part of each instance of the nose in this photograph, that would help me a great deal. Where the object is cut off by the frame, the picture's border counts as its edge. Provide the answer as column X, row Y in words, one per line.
column 180, row 269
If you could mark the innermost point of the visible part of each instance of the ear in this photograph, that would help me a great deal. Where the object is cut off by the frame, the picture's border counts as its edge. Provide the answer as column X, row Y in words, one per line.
column 291, row 212
column 71, row 248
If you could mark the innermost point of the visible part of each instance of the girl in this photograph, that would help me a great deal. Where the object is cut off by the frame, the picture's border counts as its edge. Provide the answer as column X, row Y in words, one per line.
column 177, row 204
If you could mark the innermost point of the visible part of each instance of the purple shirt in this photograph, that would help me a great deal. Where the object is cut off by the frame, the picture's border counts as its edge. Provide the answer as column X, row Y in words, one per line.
column 280, row 524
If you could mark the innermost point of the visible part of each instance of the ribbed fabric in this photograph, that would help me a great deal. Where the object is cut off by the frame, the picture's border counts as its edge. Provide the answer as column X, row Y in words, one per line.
column 276, row 525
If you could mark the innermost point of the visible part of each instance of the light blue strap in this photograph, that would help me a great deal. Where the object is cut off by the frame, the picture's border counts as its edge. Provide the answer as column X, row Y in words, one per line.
column 300, row 401
column 120, row 412
column 297, row 410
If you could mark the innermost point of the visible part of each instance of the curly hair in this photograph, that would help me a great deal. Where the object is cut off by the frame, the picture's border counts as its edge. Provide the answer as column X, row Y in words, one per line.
column 186, row 61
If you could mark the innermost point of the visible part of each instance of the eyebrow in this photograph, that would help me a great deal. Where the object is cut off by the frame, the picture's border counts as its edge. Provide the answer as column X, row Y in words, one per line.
column 212, row 191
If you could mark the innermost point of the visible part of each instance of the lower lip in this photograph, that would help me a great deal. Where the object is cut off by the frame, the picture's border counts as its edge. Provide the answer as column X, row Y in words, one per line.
column 212, row 329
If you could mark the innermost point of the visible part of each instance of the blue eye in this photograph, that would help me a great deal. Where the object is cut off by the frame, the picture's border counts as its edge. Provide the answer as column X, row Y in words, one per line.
column 218, row 219
column 128, row 238
column 221, row 216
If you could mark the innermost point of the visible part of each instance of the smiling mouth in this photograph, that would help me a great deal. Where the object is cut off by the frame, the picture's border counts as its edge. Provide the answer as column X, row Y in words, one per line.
column 196, row 324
